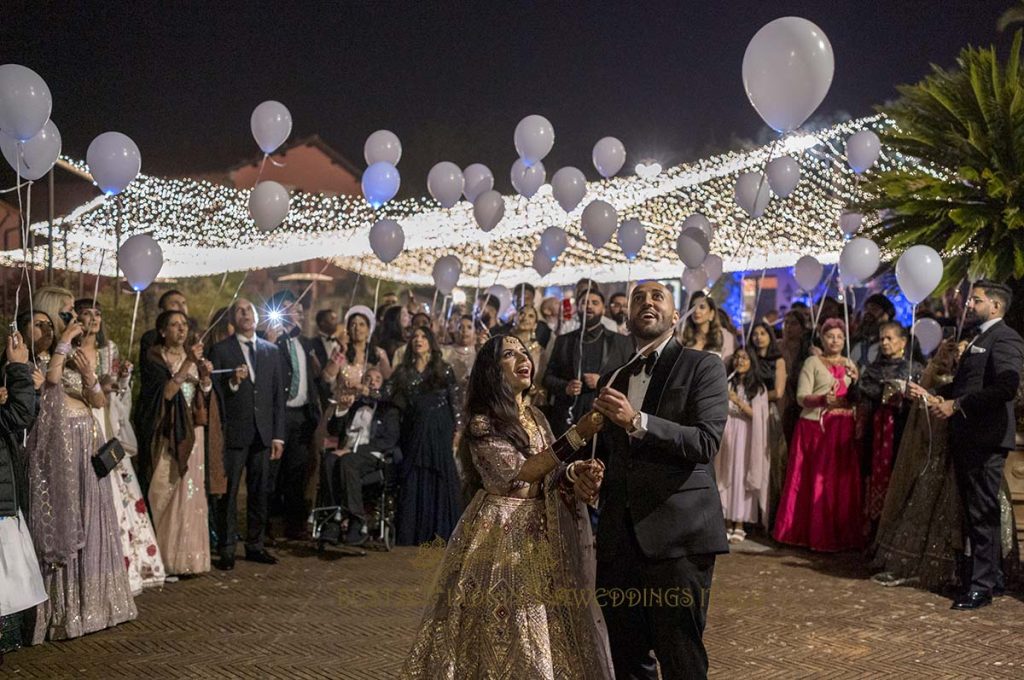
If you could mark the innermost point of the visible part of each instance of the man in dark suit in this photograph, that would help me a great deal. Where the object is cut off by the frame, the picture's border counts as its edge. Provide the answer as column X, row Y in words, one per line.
column 661, row 517
column 572, row 384
column 288, row 476
column 979, row 407
column 252, row 396
column 367, row 429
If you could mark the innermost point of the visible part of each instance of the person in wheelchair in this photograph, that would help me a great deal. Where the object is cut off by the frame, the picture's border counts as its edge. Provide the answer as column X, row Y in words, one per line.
column 367, row 429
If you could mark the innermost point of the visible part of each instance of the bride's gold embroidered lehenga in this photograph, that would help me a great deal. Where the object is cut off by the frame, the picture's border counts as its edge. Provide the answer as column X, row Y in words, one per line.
column 514, row 597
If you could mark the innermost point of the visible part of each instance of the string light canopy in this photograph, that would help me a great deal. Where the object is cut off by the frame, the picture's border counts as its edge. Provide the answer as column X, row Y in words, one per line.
column 205, row 229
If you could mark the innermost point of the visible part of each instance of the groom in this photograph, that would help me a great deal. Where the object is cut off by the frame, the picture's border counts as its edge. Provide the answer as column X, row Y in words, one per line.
column 661, row 517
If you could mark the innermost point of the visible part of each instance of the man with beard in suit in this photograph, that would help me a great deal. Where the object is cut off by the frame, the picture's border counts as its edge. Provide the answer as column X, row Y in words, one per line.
column 982, row 428
column 252, row 398
column 661, row 516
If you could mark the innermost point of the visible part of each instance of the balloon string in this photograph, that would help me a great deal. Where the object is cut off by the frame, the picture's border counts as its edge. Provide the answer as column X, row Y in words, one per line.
column 308, row 288
column 355, row 286
column 824, row 292
column 846, row 315
column 583, row 329
column 376, row 294
column 913, row 337
column 963, row 312
column 220, row 316
column 16, row 187
column 96, row 287
column 750, row 222
column 21, row 228
column 135, row 316
column 259, row 174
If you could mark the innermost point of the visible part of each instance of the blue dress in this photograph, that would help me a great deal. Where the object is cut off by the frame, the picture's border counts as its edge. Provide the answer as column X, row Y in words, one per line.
column 429, row 502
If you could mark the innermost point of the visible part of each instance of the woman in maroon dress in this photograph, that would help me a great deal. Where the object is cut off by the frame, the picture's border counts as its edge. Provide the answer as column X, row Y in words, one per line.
column 821, row 500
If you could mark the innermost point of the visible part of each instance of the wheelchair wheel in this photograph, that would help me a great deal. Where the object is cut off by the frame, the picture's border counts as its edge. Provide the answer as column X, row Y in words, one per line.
column 389, row 535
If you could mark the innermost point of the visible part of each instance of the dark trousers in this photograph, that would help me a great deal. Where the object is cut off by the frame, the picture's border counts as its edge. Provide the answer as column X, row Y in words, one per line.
column 978, row 478
column 658, row 606
column 290, row 473
column 255, row 460
column 344, row 479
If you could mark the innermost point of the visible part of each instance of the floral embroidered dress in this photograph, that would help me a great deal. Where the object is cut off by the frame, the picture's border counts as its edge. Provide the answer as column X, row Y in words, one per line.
column 138, row 540
column 514, row 597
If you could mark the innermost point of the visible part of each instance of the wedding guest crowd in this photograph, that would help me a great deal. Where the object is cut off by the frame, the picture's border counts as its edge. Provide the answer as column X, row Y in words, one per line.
column 823, row 447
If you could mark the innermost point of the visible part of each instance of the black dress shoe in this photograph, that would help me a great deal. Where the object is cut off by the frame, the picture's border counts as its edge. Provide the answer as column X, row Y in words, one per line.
column 226, row 563
column 356, row 534
column 261, row 556
column 974, row 599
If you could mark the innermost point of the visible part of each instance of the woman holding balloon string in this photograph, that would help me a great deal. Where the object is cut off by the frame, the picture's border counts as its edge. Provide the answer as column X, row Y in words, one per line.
column 882, row 387
column 821, row 506
column 350, row 363
column 72, row 515
column 138, row 540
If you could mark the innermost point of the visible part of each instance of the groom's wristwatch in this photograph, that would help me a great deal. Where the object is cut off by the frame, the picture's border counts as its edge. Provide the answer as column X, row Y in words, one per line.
column 635, row 423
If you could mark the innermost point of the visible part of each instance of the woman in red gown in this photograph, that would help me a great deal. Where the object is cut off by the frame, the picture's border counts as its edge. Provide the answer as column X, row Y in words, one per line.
column 821, row 500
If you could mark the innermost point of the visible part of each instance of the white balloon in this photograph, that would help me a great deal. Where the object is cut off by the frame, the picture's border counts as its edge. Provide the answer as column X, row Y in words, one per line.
column 542, row 263
column 695, row 279
column 478, row 180
column 268, row 205
column 632, row 237
column 918, row 271
column 849, row 222
column 271, row 123
column 858, row 261
column 380, row 183
column 692, row 247
column 783, row 175
column 387, row 240
column 445, row 183
column 25, row 102
column 534, row 137
column 807, row 271
column 446, row 273
column 504, row 296
column 752, row 193
column 553, row 241
column 488, row 209
column 847, row 279
column 527, row 179
column 862, row 150
column 569, row 186
column 609, row 156
column 928, row 333
column 598, row 222
column 696, row 220
column 36, row 156
column 382, row 146
column 114, row 161
column 713, row 267
column 787, row 71
column 140, row 258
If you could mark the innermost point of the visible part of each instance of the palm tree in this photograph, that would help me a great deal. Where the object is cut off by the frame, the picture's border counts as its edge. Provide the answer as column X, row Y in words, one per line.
column 960, row 185
column 1012, row 16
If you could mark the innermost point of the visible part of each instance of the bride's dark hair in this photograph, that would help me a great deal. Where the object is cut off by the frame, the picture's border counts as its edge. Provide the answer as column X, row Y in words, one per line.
column 489, row 395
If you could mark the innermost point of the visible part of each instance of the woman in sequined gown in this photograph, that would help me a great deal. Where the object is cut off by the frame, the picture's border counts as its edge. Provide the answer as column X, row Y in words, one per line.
column 514, row 595
column 423, row 388
column 72, row 516
column 138, row 540
column 176, row 410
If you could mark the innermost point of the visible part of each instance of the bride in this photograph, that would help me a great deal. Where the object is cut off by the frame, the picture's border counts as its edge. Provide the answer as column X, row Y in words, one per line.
column 514, row 596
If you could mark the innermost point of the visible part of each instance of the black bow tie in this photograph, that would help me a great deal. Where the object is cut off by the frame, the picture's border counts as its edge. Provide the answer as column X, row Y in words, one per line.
column 645, row 364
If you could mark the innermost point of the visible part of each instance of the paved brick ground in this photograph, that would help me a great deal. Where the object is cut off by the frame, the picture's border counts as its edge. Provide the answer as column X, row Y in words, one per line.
column 773, row 614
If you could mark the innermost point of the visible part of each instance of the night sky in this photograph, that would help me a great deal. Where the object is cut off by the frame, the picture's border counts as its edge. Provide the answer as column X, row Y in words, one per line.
column 453, row 78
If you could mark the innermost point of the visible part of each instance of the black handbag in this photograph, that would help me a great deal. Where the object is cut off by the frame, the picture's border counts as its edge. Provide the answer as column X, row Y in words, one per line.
column 107, row 458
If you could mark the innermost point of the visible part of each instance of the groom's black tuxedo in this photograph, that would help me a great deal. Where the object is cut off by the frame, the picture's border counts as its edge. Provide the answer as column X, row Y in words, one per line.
column 661, row 518
column 980, row 434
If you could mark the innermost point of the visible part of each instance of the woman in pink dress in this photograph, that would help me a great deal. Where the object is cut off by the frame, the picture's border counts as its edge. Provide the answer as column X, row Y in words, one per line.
column 821, row 500
column 741, row 466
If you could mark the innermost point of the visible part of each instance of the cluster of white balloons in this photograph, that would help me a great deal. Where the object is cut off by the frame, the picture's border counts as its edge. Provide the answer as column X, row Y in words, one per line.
column 693, row 246
column 271, row 125
column 381, row 180
column 31, row 144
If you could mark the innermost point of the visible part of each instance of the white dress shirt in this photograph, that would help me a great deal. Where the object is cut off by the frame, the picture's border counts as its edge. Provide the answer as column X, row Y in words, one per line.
column 638, row 390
